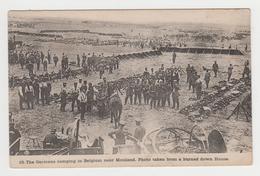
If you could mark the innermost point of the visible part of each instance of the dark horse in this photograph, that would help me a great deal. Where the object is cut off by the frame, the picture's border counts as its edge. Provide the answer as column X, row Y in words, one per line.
column 116, row 107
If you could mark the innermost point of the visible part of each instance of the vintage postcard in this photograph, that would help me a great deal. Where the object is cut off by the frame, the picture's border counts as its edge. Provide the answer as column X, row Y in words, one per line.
column 116, row 88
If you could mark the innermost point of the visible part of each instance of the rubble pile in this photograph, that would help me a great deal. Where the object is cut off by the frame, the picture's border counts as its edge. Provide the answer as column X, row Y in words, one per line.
column 218, row 95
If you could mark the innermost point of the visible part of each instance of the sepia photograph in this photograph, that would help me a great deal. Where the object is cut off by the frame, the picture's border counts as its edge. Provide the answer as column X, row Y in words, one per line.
column 125, row 84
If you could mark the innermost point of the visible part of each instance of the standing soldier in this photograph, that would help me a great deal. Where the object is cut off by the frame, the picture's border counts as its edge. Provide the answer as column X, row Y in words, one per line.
column 49, row 57
column 101, row 71
column 82, row 99
column 45, row 64
column 175, row 96
column 21, row 93
column 43, row 89
column 90, row 97
column 152, row 94
column 48, row 92
column 36, row 88
column 129, row 93
column 63, row 96
column 230, row 70
column 84, row 59
column 168, row 89
column 207, row 78
column 198, row 86
column 145, row 90
column 74, row 95
column 42, row 56
column 38, row 62
column 173, row 57
column 188, row 71
column 215, row 68
column 246, row 70
column 117, row 63
column 139, row 131
column 137, row 92
column 29, row 93
column 119, row 136
column 78, row 60
column 55, row 60
column 21, row 59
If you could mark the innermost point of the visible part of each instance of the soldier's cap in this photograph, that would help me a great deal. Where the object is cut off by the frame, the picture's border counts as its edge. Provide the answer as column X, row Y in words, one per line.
column 122, row 122
column 53, row 130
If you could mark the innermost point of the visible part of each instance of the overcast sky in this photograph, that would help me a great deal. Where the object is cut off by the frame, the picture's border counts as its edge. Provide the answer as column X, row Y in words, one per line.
column 232, row 17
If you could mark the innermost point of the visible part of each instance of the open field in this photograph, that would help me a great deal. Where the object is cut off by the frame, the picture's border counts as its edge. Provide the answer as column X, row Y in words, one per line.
column 37, row 122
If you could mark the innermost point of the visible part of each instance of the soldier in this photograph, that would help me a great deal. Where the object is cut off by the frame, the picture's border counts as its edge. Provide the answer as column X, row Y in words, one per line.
column 36, row 88
column 192, row 80
column 50, row 140
column 215, row 68
column 246, row 70
column 152, row 71
column 198, row 86
column 188, row 71
column 82, row 99
column 146, row 74
column 14, row 139
column 139, row 132
column 21, row 93
column 207, row 78
column 49, row 56
column 78, row 60
column 42, row 56
column 48, row 92
column 173, row 57
column 43, row 89
column 74, row 96
column 101, row 71
column 117, row 63
column 79, row 84
column 55, row 60
column 230, row 70
column 152, row 94
column 63, row 96
column 38, row 62
column 21, row 59
column 119, row 136
column 168, row 91
column 129, row 93
column 175, row 96
column 137, row 92
column 90, row 97
column 45, row 64
column 84, row 59
column 145, row 91
column 84, row 85
column 29, row 94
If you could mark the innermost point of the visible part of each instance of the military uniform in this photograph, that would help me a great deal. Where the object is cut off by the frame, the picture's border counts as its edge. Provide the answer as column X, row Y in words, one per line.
column 145, row 90
column 207, row 78
column 138, row 93
column 129, row 93
column 175, row 96
column 63, row 100
column 152, row 94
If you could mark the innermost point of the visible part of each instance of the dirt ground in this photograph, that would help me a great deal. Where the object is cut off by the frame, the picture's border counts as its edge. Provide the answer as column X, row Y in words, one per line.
column 237, row 133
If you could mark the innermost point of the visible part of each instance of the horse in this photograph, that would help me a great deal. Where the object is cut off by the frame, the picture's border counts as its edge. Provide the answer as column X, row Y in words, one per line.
column 116, row 107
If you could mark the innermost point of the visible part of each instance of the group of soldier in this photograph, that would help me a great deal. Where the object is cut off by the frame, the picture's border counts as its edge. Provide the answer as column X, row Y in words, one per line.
column 156, row 88
column 32, row 91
